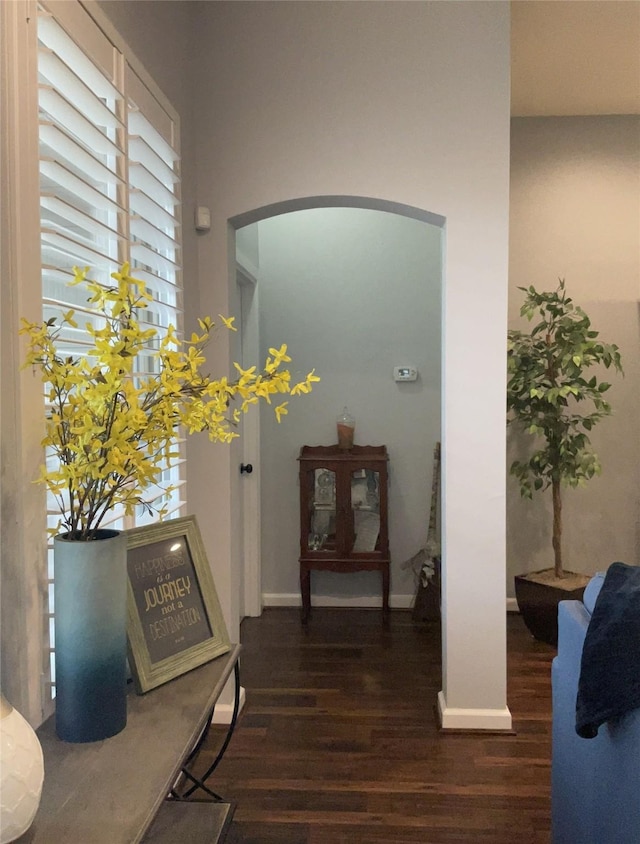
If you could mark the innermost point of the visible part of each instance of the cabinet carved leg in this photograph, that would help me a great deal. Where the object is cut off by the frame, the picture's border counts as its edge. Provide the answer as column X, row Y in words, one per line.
column 305, row 591
column 385, row 590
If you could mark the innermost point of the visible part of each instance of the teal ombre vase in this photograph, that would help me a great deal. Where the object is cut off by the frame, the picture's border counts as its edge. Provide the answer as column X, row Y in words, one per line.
column 90, row 636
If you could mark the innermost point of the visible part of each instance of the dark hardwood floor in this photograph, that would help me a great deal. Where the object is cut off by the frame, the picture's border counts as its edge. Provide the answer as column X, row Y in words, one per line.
column 338, row 740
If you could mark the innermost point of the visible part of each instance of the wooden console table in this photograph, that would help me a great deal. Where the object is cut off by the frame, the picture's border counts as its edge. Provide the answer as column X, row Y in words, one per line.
column 110, row 792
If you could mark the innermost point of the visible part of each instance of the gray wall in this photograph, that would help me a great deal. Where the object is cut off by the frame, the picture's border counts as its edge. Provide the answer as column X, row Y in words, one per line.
column 575, row 214
column 404, row 103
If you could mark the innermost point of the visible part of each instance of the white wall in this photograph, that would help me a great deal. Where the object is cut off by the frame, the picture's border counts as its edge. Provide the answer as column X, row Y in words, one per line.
column 399, row 102
column 391, row 102
column 575, row 214
column 353, row 293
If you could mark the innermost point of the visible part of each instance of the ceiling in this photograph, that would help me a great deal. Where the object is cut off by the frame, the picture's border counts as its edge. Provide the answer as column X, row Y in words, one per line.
column 573, row 57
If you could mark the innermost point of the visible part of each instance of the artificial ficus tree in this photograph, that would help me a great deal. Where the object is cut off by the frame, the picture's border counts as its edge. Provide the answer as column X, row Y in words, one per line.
column 551, row 397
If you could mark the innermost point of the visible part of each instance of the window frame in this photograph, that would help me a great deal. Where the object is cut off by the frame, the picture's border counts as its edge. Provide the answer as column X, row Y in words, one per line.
column 23, row 541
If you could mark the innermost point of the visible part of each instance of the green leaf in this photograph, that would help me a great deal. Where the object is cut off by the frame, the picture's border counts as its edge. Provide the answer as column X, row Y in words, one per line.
column 547, row 392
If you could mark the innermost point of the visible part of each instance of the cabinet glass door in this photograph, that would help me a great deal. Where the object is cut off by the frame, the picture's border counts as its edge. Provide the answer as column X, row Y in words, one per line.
column 365, row 510
column 321, row 532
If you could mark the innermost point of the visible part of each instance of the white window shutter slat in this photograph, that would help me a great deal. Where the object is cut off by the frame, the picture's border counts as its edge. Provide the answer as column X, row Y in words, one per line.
column 58, row 179
column 75, row 90
column 144, row 230
column 151, row 186
column 66, row 114
column 69, row 31
column 143, row 206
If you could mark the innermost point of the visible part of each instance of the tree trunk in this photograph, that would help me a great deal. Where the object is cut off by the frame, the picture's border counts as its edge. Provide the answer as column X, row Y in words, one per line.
column 557, row 527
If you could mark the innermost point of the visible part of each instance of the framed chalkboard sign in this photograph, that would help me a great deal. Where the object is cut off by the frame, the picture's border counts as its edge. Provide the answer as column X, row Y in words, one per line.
column 174, row 618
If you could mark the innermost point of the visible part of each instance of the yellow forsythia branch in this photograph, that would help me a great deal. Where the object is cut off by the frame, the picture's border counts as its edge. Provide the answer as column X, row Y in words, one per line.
column 111, row 426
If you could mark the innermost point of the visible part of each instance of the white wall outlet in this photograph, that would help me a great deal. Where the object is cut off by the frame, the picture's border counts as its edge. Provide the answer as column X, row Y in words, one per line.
column 405, row 373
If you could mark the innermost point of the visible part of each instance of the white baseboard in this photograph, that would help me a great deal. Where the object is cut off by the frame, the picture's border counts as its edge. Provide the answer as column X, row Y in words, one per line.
column 223, row 712
column 397, row 602
column 473, row 719
column 292, row 599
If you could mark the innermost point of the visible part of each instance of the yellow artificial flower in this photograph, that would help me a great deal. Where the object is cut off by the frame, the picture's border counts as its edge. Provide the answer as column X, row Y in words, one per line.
column 280, row 355
column 305, row 386
column 281, row 410
column 228, row 322
column 110, row 426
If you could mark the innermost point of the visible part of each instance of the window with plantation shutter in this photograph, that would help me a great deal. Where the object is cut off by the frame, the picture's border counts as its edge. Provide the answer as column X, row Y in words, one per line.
column 109, row 193
column 154, row 221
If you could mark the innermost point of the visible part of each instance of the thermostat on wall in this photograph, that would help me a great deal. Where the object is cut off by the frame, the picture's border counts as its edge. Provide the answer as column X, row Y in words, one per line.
column 405, row 373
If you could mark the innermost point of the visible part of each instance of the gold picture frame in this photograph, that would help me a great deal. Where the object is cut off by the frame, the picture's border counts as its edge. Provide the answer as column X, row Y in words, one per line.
column 174, row 619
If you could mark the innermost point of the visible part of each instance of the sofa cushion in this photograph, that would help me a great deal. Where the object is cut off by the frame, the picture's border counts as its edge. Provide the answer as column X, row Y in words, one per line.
column 592, row 590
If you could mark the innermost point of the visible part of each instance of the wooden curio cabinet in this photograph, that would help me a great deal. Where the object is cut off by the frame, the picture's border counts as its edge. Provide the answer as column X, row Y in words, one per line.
column 343, row 514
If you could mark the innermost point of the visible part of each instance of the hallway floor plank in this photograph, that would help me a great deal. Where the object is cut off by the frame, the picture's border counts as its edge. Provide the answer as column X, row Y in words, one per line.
column 338, row 742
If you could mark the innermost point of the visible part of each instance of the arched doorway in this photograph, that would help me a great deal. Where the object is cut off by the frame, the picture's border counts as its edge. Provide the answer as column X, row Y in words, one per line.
column 355, row 291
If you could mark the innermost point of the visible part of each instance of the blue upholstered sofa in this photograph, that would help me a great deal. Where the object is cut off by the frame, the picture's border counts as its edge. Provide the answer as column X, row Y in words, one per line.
column 595, row 781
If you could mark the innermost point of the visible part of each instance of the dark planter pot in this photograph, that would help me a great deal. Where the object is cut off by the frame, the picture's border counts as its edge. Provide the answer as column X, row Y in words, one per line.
column 91, row 636
column 538, row 605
